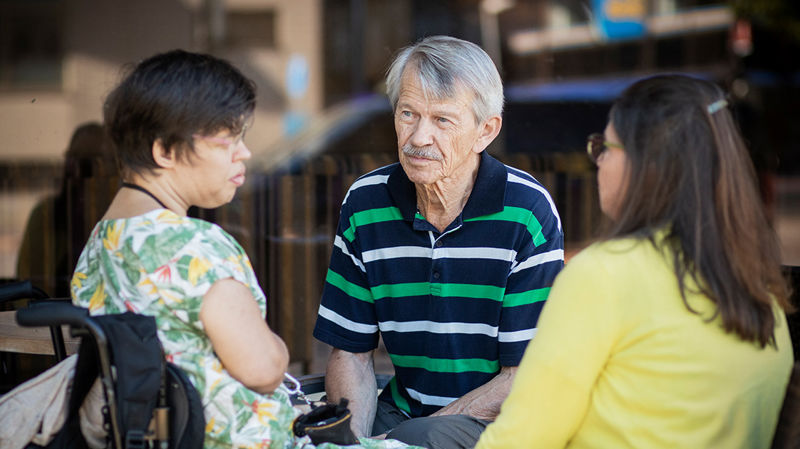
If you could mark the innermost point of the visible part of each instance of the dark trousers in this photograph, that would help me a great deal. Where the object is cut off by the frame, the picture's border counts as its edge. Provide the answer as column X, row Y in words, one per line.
column 432, row 432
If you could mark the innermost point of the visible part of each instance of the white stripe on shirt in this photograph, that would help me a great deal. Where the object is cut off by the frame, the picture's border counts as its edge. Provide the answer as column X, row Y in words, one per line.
column 512, row 337
column 428, row 326
column 506, row 255
column 366, row 181
column 519, row 180
column 397, row 252
column 438, row 328
column 339, row 243
column 539, row 259
column 361, row 328
column 427, row 399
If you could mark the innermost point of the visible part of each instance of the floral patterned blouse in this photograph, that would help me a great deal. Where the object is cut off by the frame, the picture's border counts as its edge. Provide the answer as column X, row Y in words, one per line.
column 161, row 264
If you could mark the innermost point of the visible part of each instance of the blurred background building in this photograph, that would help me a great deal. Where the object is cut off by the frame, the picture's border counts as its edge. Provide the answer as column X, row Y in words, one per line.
column 322, row 119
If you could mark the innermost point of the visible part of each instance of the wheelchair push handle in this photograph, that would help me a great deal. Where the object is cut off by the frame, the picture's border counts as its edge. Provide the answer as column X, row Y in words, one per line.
column 52, row 314
column 20, row 290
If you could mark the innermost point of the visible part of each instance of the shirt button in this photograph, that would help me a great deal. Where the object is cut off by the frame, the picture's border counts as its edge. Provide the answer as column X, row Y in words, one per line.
column 436, row 275
column 438, row 243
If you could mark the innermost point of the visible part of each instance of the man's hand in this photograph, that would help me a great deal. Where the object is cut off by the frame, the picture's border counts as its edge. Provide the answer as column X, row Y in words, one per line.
column 483, row 402
column 352, row 376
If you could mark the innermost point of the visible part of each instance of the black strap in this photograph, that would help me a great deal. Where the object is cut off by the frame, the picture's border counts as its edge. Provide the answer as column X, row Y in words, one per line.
column 142, row 189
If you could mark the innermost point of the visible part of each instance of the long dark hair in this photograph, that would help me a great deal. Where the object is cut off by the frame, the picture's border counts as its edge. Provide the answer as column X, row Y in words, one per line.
column 690, row 173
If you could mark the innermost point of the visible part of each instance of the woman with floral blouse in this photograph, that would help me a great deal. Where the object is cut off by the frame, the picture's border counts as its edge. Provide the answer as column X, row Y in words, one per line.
column 177, row 122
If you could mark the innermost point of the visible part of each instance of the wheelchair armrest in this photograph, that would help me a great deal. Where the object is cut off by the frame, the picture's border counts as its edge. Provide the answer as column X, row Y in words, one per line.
column 20, row 290
column 52, row 314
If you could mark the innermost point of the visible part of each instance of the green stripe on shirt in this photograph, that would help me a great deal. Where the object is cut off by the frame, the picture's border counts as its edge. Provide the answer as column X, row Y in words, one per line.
column 521, row 216
column 399, row 400
column 445, row 365
column 441, row 289
column 338, row 281
column 525, row 298
column 370, row 216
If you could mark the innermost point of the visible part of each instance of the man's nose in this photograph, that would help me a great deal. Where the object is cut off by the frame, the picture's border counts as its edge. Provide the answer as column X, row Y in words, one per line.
column 423, row 134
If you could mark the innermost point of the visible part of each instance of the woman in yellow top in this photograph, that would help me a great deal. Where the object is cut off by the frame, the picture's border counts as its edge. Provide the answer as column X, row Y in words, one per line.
column 669, row 333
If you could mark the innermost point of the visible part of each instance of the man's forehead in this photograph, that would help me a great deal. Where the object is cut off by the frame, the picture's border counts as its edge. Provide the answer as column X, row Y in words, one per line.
column 457, row 95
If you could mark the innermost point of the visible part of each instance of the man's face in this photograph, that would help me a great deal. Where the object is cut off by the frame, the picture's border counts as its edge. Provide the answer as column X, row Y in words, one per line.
column 437, row 139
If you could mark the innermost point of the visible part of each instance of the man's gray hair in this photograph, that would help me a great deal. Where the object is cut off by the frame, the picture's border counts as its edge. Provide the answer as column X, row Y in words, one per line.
column 444, row 64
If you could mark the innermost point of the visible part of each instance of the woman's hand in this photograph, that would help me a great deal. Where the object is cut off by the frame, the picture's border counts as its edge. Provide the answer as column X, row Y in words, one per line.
column 246, row 346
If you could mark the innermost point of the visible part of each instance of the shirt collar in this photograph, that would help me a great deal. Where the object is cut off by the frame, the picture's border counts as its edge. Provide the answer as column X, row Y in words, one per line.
column 487, row 196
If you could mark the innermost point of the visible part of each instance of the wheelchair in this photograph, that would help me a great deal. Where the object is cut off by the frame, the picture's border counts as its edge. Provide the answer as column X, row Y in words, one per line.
column 149, row 402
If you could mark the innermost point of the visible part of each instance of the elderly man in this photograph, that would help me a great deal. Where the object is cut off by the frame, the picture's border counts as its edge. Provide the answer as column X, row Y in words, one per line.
column 449, row 255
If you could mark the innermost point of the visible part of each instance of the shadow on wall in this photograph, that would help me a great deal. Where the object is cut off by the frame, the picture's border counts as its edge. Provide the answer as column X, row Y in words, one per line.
column 59, row 225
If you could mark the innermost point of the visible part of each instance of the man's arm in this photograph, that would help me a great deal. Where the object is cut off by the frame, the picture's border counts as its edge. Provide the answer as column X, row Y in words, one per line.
column 483, row 402
column 352, row 376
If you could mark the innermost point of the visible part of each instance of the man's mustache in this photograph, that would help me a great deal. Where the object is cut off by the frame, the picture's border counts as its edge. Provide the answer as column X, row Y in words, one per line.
column 428, row 152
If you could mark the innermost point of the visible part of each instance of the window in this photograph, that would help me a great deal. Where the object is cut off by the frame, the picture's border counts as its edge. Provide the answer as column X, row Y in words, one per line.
column 672, row 6
column 250, row 29
column 564, row 13
column 31, row 36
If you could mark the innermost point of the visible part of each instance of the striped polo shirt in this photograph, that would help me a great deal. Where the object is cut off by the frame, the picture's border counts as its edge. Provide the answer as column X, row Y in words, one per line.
column 452, row 307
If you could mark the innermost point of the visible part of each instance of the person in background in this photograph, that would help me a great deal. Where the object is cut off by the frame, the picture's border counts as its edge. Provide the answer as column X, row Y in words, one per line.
column 177, row 123
column 448, row 254
column 59, row 225
column 670, row 331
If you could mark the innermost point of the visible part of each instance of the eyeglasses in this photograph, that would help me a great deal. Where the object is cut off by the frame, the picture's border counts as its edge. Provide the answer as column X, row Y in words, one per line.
column 224, row 141
column 596, row 144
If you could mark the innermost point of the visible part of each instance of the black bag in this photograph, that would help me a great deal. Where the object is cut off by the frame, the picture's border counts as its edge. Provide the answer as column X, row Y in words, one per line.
column 187, row 423
column 145, row 390
column 326, row 423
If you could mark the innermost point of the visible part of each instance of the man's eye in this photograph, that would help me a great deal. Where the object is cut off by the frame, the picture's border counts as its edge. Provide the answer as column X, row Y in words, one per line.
column 442, row 120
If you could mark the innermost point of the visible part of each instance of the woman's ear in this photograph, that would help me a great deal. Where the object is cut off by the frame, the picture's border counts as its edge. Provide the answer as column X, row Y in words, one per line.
column 163, row 157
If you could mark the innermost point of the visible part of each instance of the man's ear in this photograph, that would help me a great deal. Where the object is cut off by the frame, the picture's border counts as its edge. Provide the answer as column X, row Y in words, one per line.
column 488, row 131
column 163, row 157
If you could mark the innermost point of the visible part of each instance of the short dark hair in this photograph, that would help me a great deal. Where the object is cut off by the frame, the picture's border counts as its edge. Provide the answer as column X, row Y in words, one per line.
column 170, row 97
column 689, row 172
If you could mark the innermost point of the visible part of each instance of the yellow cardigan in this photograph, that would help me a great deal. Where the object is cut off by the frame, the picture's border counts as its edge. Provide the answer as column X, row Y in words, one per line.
column 619, row 362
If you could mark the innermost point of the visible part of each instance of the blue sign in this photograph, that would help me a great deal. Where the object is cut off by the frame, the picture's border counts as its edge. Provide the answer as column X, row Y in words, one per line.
column 297, row 76
column 620, row 19
column 294, row 122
